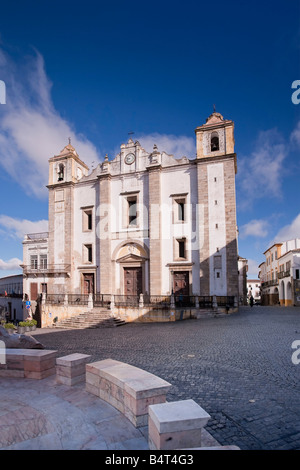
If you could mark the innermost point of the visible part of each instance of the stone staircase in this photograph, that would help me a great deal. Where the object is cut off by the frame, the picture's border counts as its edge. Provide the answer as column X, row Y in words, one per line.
column 98, row 317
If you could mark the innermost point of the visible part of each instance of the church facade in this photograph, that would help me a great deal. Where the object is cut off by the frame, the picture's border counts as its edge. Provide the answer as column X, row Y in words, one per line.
column 142, row 223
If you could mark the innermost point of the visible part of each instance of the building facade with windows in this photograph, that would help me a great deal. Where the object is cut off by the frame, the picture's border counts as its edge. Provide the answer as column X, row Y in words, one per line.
column 253, row 289
column 280, row 274
column 142, row 223
column 11, row 296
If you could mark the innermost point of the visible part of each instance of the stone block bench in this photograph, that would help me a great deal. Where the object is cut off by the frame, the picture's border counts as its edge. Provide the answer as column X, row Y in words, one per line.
column 176, row 425
column 28, row 363
column 129, row 389
column 70, row 370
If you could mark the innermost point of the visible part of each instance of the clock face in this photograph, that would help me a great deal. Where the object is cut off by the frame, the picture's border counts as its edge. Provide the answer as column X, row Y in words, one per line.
column 129, row 159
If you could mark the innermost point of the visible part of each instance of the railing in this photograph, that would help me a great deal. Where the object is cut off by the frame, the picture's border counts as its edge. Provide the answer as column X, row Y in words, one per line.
column 78, row 299
column 272, row 282
column 101, row 300
column 55, row 298
column 37, row 236
column 49, row 269
column 185, row 300
column 16, row 296
column 225, row 301
column 153, row 301
column 205, row 301
column 126, row 300
column 283, row 274
column 157, row 301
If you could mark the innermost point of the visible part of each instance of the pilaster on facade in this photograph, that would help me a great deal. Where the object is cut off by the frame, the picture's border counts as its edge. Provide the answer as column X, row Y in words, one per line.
column 154, row 211
column 104, row 233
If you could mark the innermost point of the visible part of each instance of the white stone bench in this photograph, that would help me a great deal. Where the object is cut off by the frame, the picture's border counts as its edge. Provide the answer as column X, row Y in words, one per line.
column 28, row 363
column 70, row 370
column 176, row 425
column 129, row 389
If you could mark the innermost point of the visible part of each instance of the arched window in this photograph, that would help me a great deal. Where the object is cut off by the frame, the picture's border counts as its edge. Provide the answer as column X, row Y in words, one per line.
column 61, row 170
column 214, row 142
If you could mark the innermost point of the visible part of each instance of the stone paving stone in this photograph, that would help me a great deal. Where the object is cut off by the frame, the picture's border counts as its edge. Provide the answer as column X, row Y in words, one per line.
column 238, row 368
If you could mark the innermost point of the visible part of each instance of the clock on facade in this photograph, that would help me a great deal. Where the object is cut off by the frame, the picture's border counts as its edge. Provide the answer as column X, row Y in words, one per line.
column 129, row 159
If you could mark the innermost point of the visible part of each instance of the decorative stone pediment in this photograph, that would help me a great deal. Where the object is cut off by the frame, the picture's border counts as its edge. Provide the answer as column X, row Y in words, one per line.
column 214, row 118
column 68, row 149
column 130, row 259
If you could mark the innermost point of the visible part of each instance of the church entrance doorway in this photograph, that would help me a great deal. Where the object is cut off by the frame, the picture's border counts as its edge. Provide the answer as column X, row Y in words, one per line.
column 181, row 283
column 133, row 278
column 88, row 284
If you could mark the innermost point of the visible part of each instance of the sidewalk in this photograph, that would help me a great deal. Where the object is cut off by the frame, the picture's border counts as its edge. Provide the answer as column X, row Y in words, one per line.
column 44, row 415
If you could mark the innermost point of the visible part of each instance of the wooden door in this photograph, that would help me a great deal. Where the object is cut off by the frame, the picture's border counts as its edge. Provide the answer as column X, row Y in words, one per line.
column 181, row 283
column 33, row 291
column 133, row 281
column 88, row 284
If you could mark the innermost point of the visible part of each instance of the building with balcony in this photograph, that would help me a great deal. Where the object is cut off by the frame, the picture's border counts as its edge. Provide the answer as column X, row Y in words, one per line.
column 279, row 274
column 143, row 223
column 11, row 296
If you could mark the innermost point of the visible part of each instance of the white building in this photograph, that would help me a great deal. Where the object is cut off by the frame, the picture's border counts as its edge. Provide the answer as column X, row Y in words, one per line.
column 143, row 223
column 280, row 274
column 253, row 289
column 11, row 294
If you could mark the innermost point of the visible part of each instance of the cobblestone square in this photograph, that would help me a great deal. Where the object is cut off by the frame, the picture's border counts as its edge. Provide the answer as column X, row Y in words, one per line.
column 238, row 368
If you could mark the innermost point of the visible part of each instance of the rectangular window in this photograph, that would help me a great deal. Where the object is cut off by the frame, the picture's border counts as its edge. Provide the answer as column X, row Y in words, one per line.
column 180, row 249
column 43, row 261
column 87, row 219
column 44, row 288
column 132, row 211
column 297, row 273
column 87, row 253
column 179, row 208
column 33, row 261
column 181, row 211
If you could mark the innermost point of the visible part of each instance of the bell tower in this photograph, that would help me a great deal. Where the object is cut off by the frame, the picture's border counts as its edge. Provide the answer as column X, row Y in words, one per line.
column 65, row 170
column 216, row 170
column 215, row 137
column 66, row 167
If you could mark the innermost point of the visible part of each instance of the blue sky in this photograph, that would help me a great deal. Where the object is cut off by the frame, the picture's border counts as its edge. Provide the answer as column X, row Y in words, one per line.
column 95, row 71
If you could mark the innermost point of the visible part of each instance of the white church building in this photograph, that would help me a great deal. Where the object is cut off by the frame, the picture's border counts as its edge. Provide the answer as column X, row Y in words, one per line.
column 141, row 223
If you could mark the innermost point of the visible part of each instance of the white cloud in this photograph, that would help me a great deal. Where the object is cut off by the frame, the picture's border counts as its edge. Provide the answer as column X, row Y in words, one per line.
column 295, row 135
column 17, row 228
column 254, row 228
column 253, row 269
column 10, row 265
column 260, row 174
column 288, row 232
column 178, row 146
column 31, row 130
